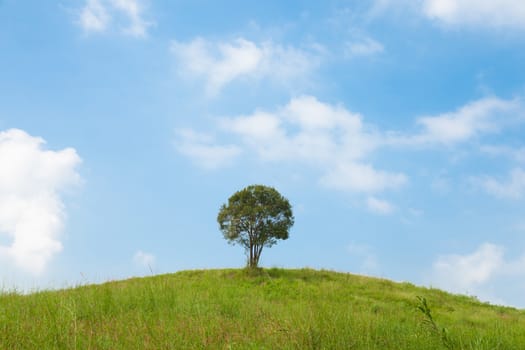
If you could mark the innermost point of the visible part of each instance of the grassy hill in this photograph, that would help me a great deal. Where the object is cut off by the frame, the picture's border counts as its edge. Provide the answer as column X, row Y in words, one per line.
column 270, row 309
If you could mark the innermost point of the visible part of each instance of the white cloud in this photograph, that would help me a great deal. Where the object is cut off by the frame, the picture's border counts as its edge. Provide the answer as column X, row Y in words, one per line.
column 479, row 13
column 202, row 150
column 311, row 132
column 303, row 132
column 513, row 188
column 94, row 16
column 477, row 272
column 31, row 210
column 517, row 154
column 463, row 272
column 337, row 142
column 482, row 116
column 356, row 177
column 144, row 259
column 220, row 63
column 363, row 47
column 133, row 10
column 492, row 14
column 97, row 15
column 262, row 132
column 379, row 206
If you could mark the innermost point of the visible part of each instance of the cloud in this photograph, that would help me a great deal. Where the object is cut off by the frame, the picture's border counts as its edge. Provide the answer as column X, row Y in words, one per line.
column 144, row 259
column 305, row 130
column 486, row 115
column 379, row 206
column 477, row 272
column 220, row 63
column 516, row 154
column 501, row 14
column 133, row 10
column 97, row 15
column 513, row 188
column 202, row 150
column 463, row 272
column 477, row 13
column 31, row 210
column 338, row 143
column 356, row 177
column 94, row 17
column 329, row 137
column 363, row 47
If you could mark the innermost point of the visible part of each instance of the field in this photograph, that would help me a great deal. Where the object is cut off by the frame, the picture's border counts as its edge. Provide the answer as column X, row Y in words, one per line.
column 264, row 309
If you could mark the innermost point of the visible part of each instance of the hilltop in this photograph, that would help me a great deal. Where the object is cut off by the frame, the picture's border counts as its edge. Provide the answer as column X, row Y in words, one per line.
column 267, row 309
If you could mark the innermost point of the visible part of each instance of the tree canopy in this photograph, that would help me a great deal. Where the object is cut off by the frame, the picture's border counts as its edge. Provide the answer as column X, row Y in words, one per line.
column 255, row 217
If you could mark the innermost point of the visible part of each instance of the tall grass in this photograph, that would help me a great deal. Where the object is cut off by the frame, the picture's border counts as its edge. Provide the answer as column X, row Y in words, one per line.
column 268, row 309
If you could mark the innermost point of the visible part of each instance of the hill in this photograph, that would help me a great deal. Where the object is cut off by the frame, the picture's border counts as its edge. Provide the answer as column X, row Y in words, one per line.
column 268, row 309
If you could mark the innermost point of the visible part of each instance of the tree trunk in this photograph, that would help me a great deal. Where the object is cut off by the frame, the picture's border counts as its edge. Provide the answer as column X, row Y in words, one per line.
column 254, row 256
column 250, row 262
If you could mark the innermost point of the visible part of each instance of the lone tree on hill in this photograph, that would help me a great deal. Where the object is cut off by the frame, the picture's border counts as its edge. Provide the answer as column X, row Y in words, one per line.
column 255, row 217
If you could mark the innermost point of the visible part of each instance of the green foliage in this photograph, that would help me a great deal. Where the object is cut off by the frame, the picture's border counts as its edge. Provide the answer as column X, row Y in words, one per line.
column 240, row 309
column 428, row 320
column 255, row 217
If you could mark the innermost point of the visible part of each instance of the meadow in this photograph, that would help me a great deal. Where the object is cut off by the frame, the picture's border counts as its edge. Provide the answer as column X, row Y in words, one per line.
column 261, row 309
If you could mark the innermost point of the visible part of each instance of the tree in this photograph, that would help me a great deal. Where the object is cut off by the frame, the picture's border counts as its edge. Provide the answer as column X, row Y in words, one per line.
column 255, row 217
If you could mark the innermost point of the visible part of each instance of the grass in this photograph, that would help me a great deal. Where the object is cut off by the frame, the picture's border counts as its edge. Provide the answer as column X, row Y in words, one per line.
column 266, row 309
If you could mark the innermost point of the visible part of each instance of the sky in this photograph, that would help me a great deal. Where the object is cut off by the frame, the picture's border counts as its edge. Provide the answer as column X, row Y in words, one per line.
column 395, row 128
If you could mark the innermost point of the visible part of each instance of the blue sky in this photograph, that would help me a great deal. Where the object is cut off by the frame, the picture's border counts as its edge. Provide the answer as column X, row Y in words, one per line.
column 395, row 128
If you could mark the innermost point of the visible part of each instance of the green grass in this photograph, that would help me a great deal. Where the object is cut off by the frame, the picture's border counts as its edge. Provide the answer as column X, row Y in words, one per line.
column 268, row 309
